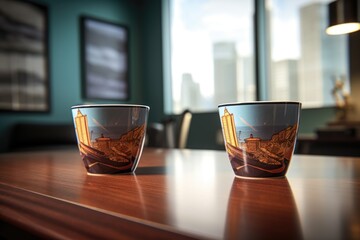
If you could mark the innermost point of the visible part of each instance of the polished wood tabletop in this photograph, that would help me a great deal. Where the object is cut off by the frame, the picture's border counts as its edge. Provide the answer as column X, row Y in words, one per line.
column 177, row 194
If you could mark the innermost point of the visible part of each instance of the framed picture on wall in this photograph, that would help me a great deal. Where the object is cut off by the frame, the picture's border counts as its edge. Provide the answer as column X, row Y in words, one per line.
column 105, row 59
column 24, row 61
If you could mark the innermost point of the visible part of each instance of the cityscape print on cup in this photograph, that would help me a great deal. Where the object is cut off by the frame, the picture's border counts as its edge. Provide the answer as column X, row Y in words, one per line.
column 109, row 149
column 258, row 150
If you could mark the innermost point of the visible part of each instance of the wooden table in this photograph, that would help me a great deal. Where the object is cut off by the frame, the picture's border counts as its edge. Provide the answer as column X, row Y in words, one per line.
column 180, row 194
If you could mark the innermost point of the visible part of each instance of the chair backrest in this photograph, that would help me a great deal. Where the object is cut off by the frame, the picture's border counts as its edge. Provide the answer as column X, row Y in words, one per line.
column 172, row 133
column 183, row 129
column 155, row 135
column 169, row 126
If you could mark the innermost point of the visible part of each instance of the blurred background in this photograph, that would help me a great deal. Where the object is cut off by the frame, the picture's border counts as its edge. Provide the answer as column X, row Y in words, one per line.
column 179, row 56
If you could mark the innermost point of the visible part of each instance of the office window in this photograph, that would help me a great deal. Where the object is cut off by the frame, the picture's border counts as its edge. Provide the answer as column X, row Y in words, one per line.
column 212, row 54
column 304, row 62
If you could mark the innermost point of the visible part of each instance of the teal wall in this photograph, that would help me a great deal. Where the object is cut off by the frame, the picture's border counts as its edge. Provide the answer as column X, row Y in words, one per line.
column 143, row 17
column 64, row 41
column 151, row 52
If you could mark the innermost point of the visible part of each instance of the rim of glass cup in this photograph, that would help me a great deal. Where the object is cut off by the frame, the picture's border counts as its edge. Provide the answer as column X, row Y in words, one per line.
column 109, row 105
column 258, row 102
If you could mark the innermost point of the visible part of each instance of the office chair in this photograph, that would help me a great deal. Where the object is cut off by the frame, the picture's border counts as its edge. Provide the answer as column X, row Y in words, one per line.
column 172, row 132
column 183, row 129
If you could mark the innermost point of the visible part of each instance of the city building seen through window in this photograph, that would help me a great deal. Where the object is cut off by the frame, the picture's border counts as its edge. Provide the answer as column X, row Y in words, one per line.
column 212, row 54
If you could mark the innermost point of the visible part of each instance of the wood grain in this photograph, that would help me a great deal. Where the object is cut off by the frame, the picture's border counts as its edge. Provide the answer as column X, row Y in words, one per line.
column 45, row 217
column 178, row 194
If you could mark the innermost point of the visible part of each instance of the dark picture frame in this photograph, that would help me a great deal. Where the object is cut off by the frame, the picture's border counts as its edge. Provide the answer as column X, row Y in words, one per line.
column 104, row 59
column 24, row 57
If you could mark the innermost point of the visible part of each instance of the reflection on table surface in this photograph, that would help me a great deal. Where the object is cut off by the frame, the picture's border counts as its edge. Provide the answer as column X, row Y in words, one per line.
column 195, row 193
column 262, row 209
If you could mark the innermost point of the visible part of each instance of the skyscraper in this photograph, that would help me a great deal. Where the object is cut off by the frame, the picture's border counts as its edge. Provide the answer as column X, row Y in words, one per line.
column 82, row 128
column 285, row 87
column 323, row 57
column 229, row 128
column 225, row 72
column 190, row 92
